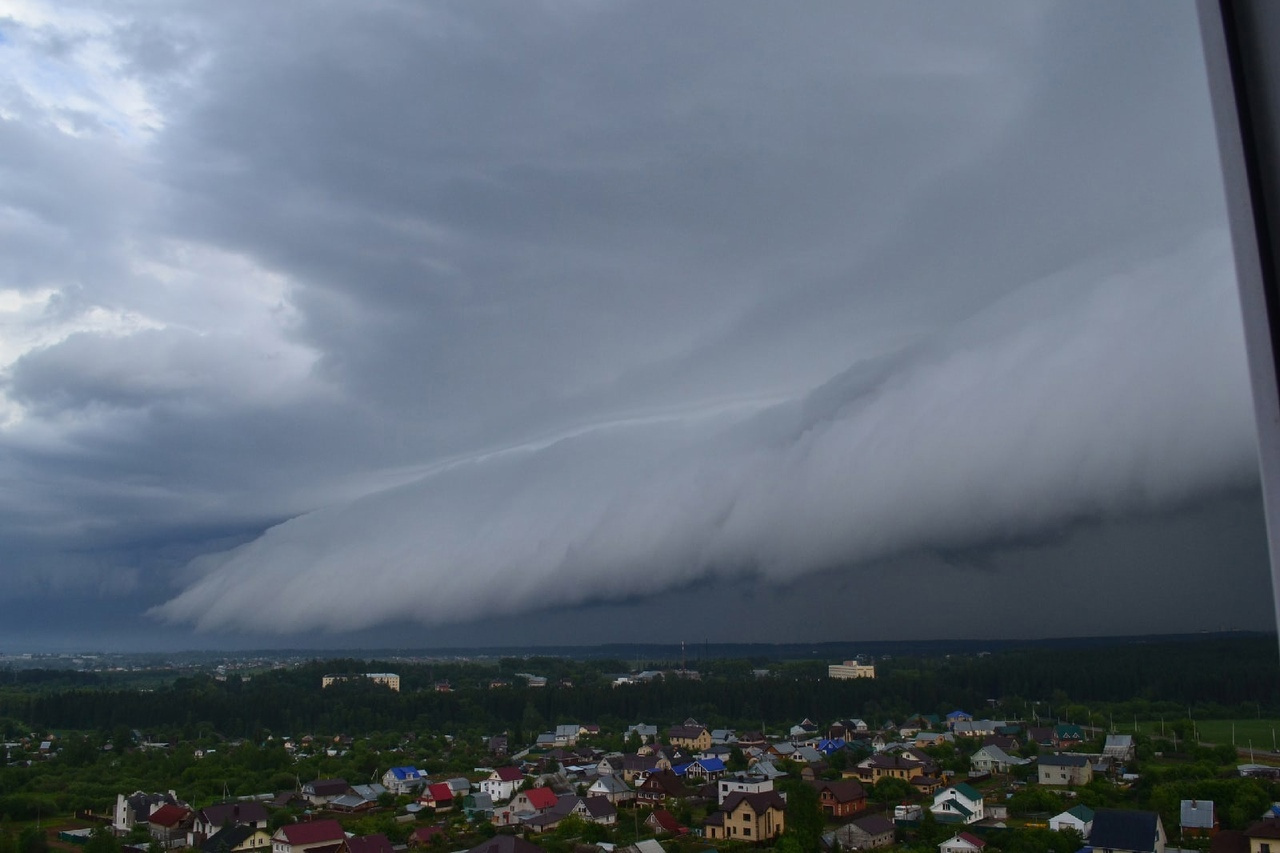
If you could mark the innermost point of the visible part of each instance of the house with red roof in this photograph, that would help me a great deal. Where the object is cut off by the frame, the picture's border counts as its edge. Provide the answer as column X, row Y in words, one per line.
column 535, row 800
column 320, row 836
column 664, row 821
column 502, row 783
column 377, row 843
column 962, row 842
column 438, row 796
column 169, row 824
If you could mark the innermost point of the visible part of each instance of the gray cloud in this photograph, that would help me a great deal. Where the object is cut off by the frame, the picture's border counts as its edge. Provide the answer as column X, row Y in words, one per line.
column 1093, row 393
column 561, row 293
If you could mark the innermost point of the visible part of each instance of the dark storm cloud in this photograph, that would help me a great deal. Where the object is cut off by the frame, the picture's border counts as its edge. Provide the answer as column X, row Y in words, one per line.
column 556, row 292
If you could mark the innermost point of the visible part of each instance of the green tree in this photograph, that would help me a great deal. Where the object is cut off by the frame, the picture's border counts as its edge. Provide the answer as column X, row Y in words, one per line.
column 805, row 821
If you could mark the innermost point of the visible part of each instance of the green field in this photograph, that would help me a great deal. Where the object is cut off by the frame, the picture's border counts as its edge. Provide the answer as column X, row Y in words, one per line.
column 1262, row 732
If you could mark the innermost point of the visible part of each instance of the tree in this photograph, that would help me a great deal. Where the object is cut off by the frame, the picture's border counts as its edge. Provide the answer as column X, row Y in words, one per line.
column 890, row 790
column 805, row 821
column 101, row 840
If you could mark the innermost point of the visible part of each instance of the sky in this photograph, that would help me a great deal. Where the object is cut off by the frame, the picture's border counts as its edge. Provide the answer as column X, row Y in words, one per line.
column 404, row 324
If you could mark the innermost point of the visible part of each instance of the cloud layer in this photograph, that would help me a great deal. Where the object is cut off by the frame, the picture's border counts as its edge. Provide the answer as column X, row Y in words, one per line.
column 1095, row 393
column 510, row 304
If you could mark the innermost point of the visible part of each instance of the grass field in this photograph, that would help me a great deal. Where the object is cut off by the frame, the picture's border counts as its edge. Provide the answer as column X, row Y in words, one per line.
column 1264, row 733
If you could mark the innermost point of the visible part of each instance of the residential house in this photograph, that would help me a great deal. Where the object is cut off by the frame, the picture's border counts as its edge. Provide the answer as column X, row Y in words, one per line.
column 613, row 789
column 923, row 739
column 1263, row 836
column 506, row 844
column 567, row 735
column 320, row 836
column 927, row 785
column 662, row 821
column 235, row 839
column 958, row 716
column 993, row 759
column 976, row 728
column 136, row 808
column 892, row 766
column 1119, row 748
column 1009, row 743
column 706, row 769
column 596, row 810
column 169, row 824
column 748, row 817
column 1079, row 818
column 1041, row 736
column 865, row 833
column 376, row 843
column 723, row 737
column 497, row 745
column 841, row 799
column 534, row 801
column 1065, row 770
column 1198, row 819
column 642, row 731
column 1125, row 831
column 477, row 806
column 1067, row 735
column 959, row 803
column 660, row 787
column 321, row 792
column 501, row 783
column 438, row 796
column 689, row 737
column 962, row 843
column 742, row 783
column 403, row 780
column 209, row 820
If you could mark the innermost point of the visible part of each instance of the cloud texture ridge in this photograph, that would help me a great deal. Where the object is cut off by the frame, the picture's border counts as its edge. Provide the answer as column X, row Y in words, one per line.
column 1108, row 388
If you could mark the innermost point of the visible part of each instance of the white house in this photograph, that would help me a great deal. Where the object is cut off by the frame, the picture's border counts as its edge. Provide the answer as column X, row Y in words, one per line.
column 1079, row 818
column 962, row 843
column 742, row 783
column 959, row 803
column 502, row 783
column 403, row 780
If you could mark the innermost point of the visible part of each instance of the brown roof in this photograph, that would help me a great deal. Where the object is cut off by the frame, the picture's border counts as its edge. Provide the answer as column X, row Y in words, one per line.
column 506, row 844
column 378, row 843
column 246, row 812
column 874, row 824
column 169, row 815
column 667, row 821
column 759, row 802
column 312, row 833
column 667, row 783
column 686, row 732
column 1264, row 829
column 1229, row 841
column 328, row 787
column 845, row 791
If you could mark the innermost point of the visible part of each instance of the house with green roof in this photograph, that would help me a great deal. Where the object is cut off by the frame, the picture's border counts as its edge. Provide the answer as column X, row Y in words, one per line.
column 1079, row 818
column 958, row 803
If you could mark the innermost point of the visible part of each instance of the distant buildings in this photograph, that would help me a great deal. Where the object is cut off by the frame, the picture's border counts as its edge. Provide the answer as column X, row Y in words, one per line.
column 390, row 679
column 852, row 669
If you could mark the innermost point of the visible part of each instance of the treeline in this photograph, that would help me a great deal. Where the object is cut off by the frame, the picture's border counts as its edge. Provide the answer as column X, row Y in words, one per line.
column 1216, row 677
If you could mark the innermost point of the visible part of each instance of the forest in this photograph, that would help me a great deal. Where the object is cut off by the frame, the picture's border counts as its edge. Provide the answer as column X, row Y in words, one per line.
column 1219, row 677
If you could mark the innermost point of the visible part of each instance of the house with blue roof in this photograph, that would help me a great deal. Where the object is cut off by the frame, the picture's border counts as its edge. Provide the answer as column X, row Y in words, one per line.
column 403, row 780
